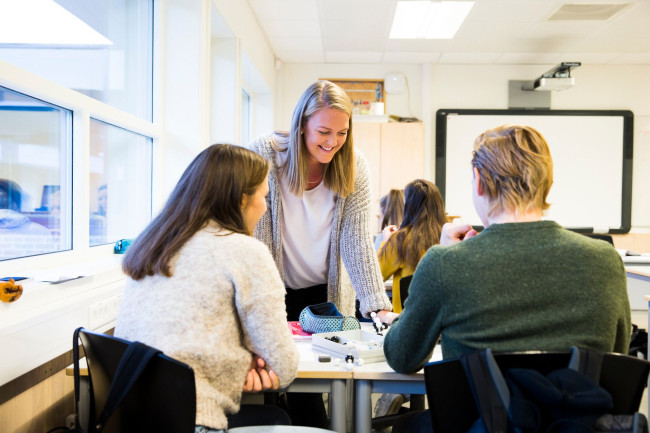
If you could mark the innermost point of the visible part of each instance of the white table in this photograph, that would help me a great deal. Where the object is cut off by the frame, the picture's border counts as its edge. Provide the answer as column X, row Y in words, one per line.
column 638, row 285
column 380, row 378
column 321, row 377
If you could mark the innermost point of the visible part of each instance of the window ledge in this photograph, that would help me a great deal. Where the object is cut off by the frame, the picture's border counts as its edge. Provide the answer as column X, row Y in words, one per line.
column 39, row 297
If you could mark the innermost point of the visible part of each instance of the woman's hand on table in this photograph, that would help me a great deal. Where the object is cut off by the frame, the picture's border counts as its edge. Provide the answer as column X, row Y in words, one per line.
column 259, row 377
column 386, row 316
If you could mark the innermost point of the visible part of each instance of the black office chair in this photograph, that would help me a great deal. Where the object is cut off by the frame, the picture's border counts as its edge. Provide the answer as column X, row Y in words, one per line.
column 451, row 403
column 404, row 284
column 162, row 399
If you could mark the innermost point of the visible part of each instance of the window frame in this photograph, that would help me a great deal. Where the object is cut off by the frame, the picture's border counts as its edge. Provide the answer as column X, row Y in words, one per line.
column 83, row 108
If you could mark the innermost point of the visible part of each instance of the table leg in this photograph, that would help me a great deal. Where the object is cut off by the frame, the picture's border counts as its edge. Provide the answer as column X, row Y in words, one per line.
column 337, row 406
column 363, row 412
column 417, row 402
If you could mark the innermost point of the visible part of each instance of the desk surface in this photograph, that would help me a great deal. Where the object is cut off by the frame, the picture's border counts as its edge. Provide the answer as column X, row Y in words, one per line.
column 642, row 271
column 310, row 368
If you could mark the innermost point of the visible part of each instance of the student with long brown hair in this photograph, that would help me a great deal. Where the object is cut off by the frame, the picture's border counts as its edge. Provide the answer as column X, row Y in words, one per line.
column 203, row 290
column 391, row 212
column 424, row 216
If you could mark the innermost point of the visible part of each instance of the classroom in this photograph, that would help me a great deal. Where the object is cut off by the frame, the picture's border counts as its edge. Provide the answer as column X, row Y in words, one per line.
column 165, row 79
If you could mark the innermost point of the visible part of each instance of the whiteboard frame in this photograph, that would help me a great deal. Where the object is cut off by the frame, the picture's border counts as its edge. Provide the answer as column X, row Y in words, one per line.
column 627, row 142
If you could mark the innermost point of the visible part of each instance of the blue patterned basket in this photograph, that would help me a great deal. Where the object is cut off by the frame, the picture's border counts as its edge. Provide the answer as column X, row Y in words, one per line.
column 324, row 317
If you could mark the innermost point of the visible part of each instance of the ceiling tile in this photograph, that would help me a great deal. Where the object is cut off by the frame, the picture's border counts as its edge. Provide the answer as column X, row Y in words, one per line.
column 296, row 44
column 564, row 29
column 469, row 58
column 633, row 59
column 411, row 57
column 352, row 57
column 589, row 58
column 529, row 58
column 498, row 11
column 422, row 45
column 284, row 9
column 544, row 45
column 502, row 31
column 377, row 10
column 284, row 28
column 480, row 30
column 301, row 56
column 342, row 43
column 478, row 45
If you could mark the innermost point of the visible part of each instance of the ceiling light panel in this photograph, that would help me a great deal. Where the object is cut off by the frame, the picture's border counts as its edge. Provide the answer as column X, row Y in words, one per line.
column 429, row 19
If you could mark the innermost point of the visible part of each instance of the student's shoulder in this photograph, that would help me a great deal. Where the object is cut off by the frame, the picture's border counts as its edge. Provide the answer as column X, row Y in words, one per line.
column 582, row 241
column 266, row 144
column 440, row 254
column 360, row 158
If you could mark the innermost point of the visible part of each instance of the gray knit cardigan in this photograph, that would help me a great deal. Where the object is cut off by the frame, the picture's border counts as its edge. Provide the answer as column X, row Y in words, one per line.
column 350, row 242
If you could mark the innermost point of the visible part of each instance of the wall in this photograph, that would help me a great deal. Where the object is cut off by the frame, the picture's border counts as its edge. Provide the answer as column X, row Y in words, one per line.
column 598, row 87
column 38, row 327
column 295, row 78
column 242, row 22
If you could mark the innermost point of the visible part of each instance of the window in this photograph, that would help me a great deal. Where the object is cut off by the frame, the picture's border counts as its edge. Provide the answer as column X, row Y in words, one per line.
column 95, row 50
column 100, row 48
column 245, row 117
column 120, row 183
column 35, row 186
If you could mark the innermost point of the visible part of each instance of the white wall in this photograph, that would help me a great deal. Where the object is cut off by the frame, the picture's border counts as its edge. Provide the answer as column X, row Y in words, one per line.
column 242, row 22
column 598, row 87
column 295, row 78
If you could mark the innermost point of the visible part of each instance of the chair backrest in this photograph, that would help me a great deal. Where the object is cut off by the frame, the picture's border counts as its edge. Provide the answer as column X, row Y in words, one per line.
column 163, row 399
column 404, row 284
column 451, row 403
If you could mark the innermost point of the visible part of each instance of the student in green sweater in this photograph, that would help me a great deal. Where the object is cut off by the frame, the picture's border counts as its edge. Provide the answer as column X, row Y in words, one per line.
column 522, row 283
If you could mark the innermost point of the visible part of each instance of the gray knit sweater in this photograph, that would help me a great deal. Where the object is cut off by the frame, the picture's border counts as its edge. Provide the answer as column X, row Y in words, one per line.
column 223, row 303
column 350, row 244
column 514, row 287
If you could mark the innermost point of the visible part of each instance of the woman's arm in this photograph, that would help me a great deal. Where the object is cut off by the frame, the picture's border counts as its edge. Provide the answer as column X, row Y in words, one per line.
column 412, row 337
column 357, row 251
column 259, row 298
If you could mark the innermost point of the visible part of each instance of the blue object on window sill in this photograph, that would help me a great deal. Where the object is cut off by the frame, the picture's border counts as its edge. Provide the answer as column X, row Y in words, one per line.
column 122, row 245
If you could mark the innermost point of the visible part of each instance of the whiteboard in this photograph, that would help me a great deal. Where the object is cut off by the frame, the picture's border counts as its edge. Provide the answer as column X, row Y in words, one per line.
column 592, row 163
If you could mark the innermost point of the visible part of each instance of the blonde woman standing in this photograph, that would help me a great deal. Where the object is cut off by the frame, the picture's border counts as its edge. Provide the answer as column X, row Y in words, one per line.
column 318, row 221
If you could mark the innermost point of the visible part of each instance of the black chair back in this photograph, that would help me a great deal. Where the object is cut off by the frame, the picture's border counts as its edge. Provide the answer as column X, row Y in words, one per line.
column 163, row 399
column 404, row 284
column 451, row 403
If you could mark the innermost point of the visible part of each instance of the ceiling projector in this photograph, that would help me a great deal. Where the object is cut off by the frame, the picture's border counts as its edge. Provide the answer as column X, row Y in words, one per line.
column 558, row 78
column 551, row 83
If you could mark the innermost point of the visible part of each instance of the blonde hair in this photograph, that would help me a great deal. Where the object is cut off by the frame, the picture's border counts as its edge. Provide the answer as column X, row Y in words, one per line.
column 339, row 173
column 515, row 168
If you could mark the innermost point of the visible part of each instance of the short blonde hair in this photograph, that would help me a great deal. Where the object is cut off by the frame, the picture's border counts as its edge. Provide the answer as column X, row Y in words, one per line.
column 339, row 173
column 515, row 168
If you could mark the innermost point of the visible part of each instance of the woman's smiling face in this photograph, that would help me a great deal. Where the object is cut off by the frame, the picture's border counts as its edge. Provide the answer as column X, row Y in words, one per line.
column 325, row 132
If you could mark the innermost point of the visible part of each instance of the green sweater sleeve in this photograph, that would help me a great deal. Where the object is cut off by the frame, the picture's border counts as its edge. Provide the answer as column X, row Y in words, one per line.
column 421, row 315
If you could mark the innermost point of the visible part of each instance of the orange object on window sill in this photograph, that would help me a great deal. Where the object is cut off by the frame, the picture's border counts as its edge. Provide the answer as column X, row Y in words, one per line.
column 10, row 291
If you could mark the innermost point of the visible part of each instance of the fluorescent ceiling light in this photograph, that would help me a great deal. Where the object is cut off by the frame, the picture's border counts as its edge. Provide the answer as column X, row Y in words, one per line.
column 428, row 19
column 44, row 22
